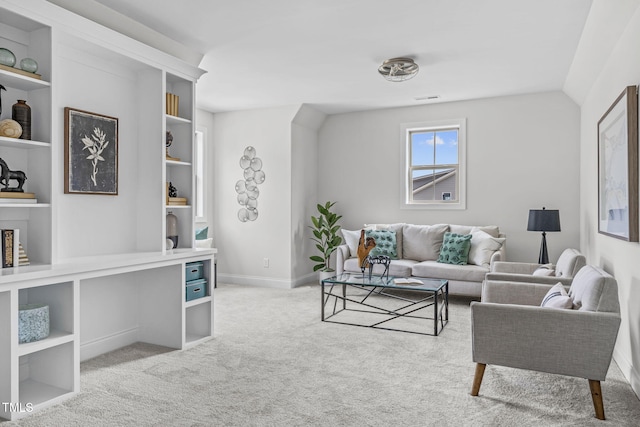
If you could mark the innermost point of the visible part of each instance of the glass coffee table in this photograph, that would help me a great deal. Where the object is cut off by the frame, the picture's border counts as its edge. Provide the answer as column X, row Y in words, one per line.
column 386, row 302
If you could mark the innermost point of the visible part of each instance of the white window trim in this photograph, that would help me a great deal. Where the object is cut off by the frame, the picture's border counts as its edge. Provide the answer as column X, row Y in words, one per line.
column 203, row 218
column 405, row 130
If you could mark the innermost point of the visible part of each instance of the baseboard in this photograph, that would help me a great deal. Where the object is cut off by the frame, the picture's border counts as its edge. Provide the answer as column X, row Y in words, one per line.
column 91, row 349
column 628, row 370
column 267, row 282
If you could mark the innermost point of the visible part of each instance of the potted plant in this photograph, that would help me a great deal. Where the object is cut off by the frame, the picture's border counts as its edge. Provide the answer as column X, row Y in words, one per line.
column 325, row 233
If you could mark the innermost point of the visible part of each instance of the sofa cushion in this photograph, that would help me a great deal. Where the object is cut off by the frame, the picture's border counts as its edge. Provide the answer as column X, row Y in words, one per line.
column 385, row 243
column 437, row 270
column 398, row 267
column 593, row 289
column 397, row 227
column 492, row 230
column 422, row 242
column 544, row 270
column 455, row 248
column 557, row 297
column 483, row 246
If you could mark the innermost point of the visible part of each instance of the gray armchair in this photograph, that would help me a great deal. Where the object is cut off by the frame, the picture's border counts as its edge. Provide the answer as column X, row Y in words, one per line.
column 568, row 265
column 509, row 328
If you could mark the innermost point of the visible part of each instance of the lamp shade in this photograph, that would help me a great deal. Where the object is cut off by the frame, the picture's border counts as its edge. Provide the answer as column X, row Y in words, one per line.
column 544, row 220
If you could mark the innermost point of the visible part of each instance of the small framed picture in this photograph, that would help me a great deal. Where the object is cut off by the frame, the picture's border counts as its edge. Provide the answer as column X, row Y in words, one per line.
column 90, row 153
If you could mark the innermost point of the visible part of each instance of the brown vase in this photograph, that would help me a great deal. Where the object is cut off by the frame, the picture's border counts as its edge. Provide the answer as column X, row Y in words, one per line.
column 21, row 113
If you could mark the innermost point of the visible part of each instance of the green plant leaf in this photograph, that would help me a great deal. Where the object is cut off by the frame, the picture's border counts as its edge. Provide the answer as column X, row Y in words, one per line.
column 317, row 258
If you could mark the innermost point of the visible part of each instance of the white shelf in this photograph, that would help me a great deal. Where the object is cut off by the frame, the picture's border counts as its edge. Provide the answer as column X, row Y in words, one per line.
column 192, row 339
column 197, row 301
column 176, row 119
column 22, row 82
column 25, row 205
column 55, row 338
column 22, row 143
column 178, row 206
column 36, row 392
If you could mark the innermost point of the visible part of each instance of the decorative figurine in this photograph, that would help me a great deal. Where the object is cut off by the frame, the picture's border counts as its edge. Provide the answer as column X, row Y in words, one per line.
column 7, row 174
column 173, row 192
column 168, row 142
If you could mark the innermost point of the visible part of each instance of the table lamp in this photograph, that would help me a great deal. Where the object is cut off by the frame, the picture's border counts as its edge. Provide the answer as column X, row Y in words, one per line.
column 543, row 220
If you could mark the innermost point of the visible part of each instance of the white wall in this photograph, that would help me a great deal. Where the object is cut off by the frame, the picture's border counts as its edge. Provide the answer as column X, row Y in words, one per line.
column 622, row 68
column 98, row 224
column 243, row 246
column 304, row 190
column 522, row 154
column 205, row 119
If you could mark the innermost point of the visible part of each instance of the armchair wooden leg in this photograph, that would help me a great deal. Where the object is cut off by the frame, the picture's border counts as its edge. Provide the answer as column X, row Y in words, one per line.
column 596, row 395
column 477, row 379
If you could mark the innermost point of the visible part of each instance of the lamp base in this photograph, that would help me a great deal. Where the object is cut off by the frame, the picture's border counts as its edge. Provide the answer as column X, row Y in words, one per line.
column 544, row 256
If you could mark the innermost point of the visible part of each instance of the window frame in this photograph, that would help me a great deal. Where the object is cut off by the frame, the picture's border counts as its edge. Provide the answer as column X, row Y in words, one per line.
column 200, row 159
column 406, row 130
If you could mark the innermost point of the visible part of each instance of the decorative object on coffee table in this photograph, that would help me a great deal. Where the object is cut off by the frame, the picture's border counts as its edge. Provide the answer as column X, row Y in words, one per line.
column 618, row 168
column 21, row 113
column 7, row 174
column 543, row 220
column 10, row 128
column 90, row 153
column 365, row 246
column 378, row 259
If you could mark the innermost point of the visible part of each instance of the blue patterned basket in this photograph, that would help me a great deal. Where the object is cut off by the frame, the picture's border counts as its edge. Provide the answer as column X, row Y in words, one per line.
column 33, row 322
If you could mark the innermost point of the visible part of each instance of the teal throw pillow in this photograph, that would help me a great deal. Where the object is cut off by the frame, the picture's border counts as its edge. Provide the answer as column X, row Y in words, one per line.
column 385, row 243
column 202, row 233
column 455, row 248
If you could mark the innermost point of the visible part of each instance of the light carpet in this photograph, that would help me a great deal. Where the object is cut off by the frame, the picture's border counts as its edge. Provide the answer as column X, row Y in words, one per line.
column 272, row 362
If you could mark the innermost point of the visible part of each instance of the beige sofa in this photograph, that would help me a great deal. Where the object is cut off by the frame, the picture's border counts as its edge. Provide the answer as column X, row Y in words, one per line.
column 418, row 248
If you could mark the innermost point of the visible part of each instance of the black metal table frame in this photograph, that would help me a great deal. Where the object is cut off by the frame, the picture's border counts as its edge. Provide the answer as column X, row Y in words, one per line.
column 430, row 300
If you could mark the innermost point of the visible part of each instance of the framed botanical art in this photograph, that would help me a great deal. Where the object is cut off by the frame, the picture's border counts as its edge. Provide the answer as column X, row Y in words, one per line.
column 90, row 153
column 618, row 168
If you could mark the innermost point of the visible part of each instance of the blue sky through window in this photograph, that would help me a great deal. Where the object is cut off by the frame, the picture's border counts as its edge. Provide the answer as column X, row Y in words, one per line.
column 423, row 153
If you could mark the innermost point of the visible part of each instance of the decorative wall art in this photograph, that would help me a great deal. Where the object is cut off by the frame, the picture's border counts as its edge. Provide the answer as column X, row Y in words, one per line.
column 90, row 153
column 618, row 168
column 247, row 189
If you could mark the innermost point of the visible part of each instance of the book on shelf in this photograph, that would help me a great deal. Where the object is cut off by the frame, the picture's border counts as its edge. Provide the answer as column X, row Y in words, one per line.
column 172, row 102
column 16, row 195
column 407, row 281
column 10, row 247
column 177, row 201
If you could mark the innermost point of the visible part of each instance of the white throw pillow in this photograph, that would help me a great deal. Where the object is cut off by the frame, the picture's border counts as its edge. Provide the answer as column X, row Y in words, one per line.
column 557, row 297
column 544, row 270
column 483, row 246
column 351, row 238
column 422, row 242
column 492, row 230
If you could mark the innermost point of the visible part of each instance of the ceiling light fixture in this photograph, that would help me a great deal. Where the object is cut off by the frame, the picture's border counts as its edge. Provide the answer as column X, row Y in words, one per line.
column 398, row 69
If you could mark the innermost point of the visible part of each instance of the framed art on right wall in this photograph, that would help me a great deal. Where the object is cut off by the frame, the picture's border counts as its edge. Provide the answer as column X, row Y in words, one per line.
column 618, row 168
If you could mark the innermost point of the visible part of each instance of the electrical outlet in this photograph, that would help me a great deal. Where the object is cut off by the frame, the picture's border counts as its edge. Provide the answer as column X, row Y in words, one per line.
column 265, row 262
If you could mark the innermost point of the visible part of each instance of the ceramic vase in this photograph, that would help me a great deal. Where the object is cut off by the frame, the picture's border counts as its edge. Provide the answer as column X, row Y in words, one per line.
column 21, row 113
column 172, row 229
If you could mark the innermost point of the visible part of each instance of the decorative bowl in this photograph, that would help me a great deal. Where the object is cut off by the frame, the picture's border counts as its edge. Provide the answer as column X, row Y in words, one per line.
column 10, row 128
column 7, row 57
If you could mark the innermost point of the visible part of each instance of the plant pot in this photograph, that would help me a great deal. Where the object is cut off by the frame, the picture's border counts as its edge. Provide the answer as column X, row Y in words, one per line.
column 322, row 275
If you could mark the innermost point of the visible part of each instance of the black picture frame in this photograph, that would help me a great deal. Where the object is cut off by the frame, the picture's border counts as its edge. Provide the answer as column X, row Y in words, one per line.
column 90, row 153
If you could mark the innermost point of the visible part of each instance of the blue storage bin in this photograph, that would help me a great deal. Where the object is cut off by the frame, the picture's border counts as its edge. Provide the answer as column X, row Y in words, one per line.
column 196, row 289
column 194, row 271
column 33, row 322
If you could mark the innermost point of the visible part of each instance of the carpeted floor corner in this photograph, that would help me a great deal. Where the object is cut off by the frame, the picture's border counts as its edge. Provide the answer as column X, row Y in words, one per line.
column 272, row 362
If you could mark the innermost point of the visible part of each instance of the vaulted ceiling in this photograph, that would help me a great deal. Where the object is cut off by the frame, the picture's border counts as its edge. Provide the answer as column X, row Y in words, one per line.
column 326, row 52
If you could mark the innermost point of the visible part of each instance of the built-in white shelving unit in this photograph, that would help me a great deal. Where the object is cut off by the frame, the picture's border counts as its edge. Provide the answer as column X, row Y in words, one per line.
column 99, row 262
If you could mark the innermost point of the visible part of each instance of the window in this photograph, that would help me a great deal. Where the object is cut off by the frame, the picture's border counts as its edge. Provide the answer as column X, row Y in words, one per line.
column 200, row 159
column 434, row 165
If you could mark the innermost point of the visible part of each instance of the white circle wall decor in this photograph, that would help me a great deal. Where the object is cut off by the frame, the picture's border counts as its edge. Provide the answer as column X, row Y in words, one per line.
column 247, row 189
